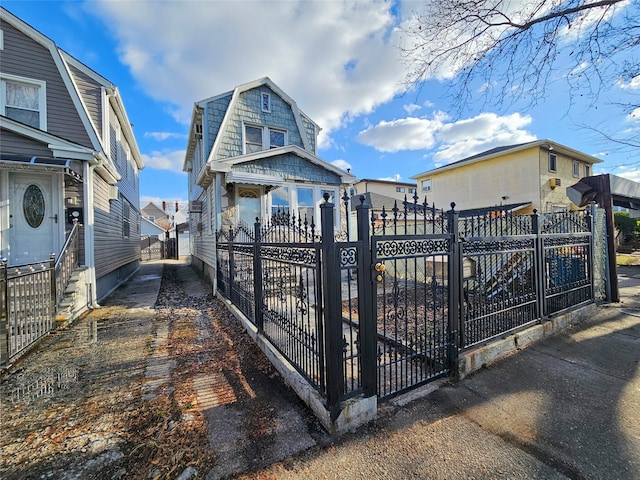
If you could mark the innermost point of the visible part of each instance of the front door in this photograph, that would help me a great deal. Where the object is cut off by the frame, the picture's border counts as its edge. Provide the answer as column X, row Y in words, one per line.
column 34, row 217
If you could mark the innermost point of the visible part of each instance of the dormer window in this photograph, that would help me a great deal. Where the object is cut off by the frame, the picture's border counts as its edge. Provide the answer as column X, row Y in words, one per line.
column 23, row 100
column 266, row 102
column 263, row 138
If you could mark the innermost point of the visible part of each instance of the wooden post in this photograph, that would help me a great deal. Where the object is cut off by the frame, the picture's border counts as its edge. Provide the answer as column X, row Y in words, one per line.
column 605, row 199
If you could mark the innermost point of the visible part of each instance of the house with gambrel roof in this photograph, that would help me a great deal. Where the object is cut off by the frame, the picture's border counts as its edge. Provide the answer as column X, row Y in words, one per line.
column 252, row 152
column 68, row 156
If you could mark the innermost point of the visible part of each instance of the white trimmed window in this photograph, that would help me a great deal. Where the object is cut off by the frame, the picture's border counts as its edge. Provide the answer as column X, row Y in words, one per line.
column 303, row 201
column 24, row 100
column 257, row 138
column 426, row 185
column 576, row 169
column 587, row 170
column 553, row 162
column 266, row 102
column 400, row 189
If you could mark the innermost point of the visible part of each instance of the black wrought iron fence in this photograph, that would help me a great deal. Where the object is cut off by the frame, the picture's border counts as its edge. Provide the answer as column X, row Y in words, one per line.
column 391, row 309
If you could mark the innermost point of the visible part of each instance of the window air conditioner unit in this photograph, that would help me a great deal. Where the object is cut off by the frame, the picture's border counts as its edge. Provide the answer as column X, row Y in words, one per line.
column 113, row 192
column 555, row 182
column 195, row 206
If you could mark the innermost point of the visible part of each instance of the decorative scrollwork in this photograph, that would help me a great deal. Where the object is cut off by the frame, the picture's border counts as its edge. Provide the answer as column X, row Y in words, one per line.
column 33, row 206
column 302, row 304
column 348, row 257
column 511, row 245
column 567, row 241
column 394, row 248
column 305, row 256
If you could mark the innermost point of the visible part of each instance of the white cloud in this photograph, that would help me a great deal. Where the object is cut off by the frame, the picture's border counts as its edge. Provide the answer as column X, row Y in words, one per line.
column 161, row 136
column 633, row 84
column 165, row 160
column 411, row 108
column 454, row 140
column 485, row 131
column 343, row 62
column 634, row 116
column 396, row 178
column 343, row 164
column 409, row 133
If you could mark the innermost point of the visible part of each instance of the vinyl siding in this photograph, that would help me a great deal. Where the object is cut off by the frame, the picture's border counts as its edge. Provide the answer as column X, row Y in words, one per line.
column 128, row 184
column 62, row 117
column 11, row 142
column 112, row 251
column 203, row 242
column 91, row 93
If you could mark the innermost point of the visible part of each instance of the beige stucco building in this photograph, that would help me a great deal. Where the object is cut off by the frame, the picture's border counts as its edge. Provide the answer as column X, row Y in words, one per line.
column 526, row 176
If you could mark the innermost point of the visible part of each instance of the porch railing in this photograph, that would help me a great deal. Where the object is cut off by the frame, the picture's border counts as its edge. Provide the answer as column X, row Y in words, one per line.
column 30, row 295
column 67, row 262
column 27, row 306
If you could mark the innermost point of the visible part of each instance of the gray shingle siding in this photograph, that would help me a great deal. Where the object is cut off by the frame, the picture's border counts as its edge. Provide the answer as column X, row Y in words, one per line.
column 215, row 114
column 248, row 109
column 312, row 134
column 289, row 167
column 62, row 117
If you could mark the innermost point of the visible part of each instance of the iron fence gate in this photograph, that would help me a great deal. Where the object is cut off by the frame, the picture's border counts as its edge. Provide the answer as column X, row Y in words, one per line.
column 391, row 309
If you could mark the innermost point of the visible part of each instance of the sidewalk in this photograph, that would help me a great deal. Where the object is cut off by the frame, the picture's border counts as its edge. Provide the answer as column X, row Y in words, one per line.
column 566, row 407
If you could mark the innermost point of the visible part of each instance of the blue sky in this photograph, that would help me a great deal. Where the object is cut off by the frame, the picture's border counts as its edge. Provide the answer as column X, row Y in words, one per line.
column 340, row 61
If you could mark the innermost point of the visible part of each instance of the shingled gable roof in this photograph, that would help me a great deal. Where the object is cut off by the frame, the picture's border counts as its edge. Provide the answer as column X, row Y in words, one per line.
column 249, row 86
column 61, row 59
column 498, row 151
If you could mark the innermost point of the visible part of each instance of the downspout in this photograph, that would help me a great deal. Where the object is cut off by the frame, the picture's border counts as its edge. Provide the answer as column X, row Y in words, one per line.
column 89, row 236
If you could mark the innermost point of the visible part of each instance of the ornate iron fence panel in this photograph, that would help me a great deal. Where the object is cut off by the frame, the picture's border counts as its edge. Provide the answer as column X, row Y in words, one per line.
column 241, row 272
column 568, row 276
column 390, row 311
column 350, row 254
column 567, row 260
column 412, row 303
column 291, row 306
column 499, row 286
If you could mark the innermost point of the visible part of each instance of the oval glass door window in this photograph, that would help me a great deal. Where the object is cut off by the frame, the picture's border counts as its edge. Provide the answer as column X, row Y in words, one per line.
column 33, row 206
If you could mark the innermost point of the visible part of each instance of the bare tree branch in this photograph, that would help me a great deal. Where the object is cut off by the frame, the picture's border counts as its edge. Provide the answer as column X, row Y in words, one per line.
column 503, row 51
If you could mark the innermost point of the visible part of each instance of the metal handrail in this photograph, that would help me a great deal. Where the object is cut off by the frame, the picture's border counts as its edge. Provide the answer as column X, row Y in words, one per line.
column 66, row 263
